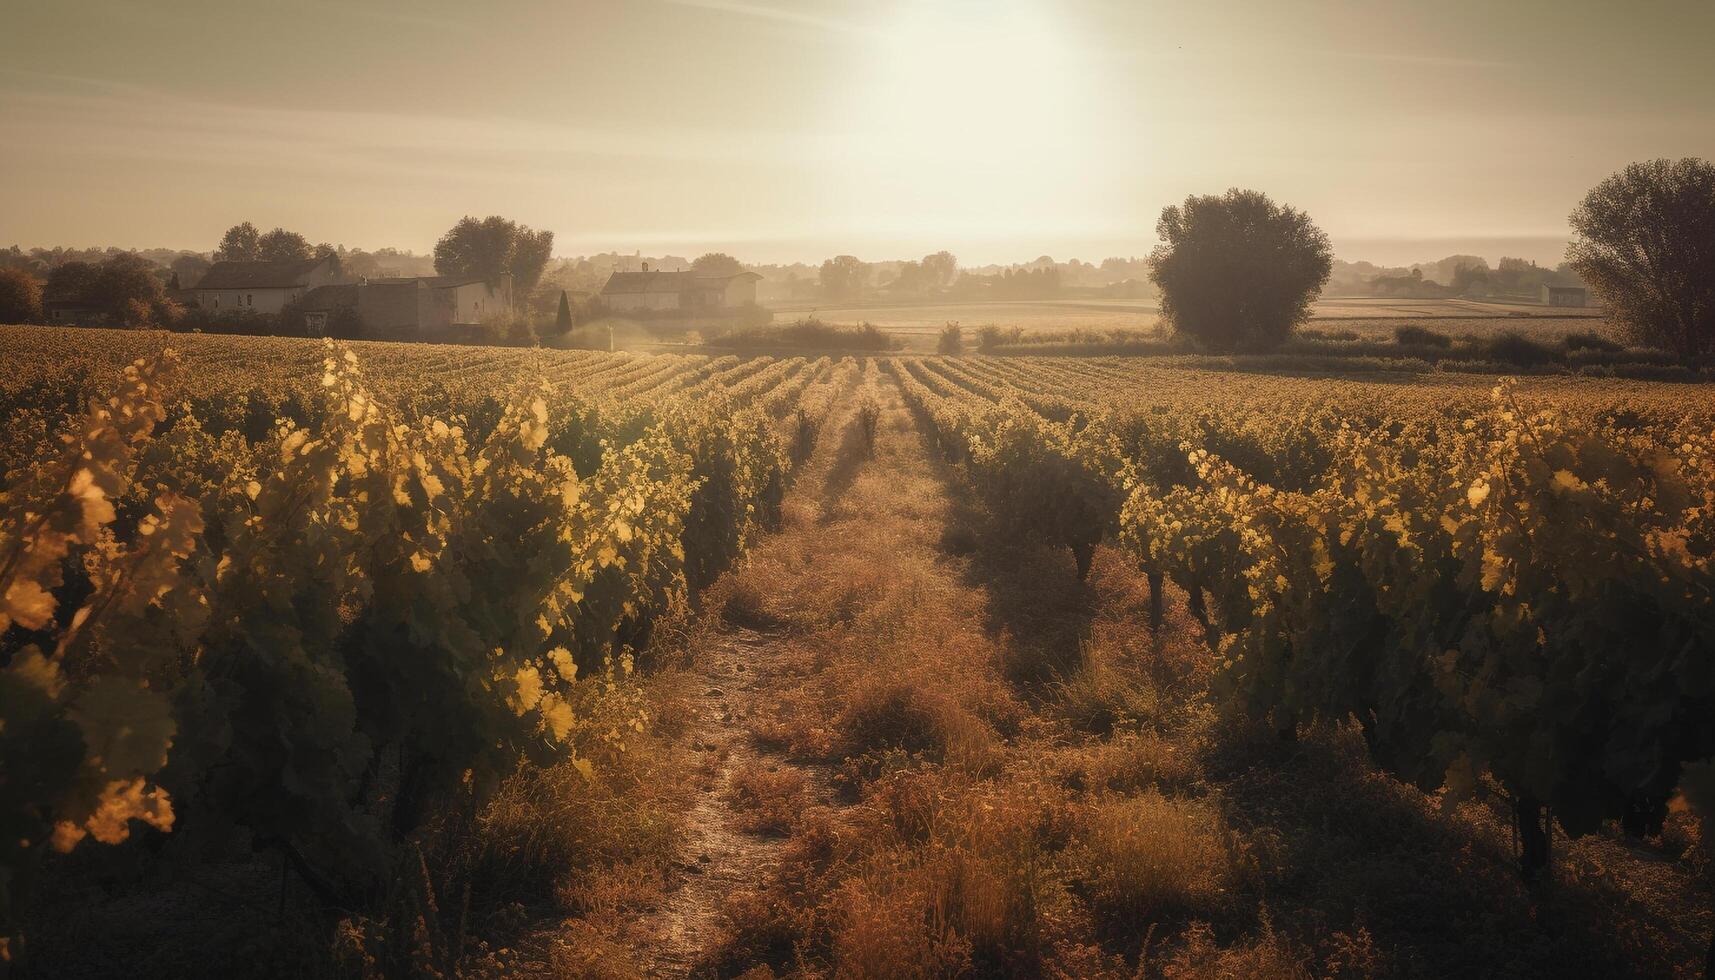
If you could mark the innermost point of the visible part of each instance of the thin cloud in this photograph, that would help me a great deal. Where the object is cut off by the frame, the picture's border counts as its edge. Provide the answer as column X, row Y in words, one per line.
column 392, row 15
column 125, row 121
column 796, row 18
column 1390, row 57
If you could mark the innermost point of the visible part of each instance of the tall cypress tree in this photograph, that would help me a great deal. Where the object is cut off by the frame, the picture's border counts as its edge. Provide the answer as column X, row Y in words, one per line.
column 563, row 321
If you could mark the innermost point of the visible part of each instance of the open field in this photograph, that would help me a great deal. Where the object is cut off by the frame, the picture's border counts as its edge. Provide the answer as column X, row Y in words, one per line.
column 919, row 324
column 885, row 666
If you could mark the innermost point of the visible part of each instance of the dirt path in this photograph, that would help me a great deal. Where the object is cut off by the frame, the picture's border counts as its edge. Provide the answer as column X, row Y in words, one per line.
column 738, row 667
column 719, row 857
column 887, row 623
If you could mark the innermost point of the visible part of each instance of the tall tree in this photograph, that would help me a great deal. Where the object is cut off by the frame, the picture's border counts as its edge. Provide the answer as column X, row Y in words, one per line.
column 941, row 268
column 20, row 297
column 1238, row 271
column 1644, row 239
column 130, row 291
column 189, row 268
column 125, row 287
column 716, row 264
column 72, row 282
column 488, row 247
column 844, row 276
column 281, row 245
column 239, row 244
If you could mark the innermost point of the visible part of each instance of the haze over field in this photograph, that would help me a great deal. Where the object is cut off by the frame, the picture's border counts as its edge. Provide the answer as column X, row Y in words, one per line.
column 784, row 131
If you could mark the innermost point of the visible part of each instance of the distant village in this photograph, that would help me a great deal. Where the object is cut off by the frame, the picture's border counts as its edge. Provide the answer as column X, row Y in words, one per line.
column 493, row 280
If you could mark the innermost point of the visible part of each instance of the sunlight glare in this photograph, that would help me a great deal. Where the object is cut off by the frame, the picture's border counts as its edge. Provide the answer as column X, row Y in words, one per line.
column 978, row 116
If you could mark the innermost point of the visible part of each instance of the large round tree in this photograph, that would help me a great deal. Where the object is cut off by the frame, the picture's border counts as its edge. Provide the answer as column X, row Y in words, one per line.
column 20, row 297
column 488, row 247
column 1238, row 271
column 1644, row 240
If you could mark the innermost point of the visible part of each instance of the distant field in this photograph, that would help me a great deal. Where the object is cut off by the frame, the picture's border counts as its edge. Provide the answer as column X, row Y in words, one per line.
column 919, row 324
column 1336, row 307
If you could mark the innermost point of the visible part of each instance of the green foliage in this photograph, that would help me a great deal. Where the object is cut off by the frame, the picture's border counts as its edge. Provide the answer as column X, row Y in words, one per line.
column 1413, row 335
column 1044, row 480
column 20, row 297
column 281, row 245
column 1054, row 482
column 1238, row 271
column 241, row 243
column 716, row 264
column 87, row 725
column 809, row 334
column 563, row 316
column 951, row 340
column 1641, row 240
column 1515, row 348
column 367, row 615
column 490, row 247
column 843, row 276
column 1457, row 591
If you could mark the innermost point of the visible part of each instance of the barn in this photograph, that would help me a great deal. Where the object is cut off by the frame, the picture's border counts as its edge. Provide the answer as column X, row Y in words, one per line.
column 1564, row 296
column 646, row 291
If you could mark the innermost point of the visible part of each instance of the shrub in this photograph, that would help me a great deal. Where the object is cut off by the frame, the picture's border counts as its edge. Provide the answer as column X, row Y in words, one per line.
column 951, row 341
column 1099, row 698
column 868, row 417
column 1317, row 333
column 1513, row 347
column 510, row 329
column 1148, row 857
column 199, row 320
column 896, row 714
column 1048, row 481
column 805, row 428
column 808, row 333
column 1415, row 336
column 1590, row 340
column 991, row 337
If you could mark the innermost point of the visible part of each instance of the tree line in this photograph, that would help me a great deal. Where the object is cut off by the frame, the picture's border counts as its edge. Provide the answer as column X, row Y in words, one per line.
column 1239, row 272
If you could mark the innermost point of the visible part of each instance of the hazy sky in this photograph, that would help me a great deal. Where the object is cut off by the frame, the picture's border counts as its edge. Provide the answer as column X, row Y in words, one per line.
column 794, row 129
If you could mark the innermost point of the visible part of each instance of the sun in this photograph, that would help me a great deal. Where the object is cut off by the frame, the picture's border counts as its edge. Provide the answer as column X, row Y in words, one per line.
column 974, row 119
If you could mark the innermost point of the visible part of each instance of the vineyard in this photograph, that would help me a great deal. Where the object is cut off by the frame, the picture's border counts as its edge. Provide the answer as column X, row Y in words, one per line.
column 1520, row 591
column 306, row 600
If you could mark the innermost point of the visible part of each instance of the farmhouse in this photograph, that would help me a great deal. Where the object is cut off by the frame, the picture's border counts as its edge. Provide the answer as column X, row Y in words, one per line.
column 678, row 291
column 261, row 287
column 438, row 301
column 407, row 306
column 1563, row 295
column 75, row 311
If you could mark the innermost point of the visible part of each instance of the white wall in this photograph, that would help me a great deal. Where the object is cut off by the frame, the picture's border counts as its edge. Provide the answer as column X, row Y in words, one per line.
column 265, row 300
column 642, row 301
column 741, row 292
column 476, row 302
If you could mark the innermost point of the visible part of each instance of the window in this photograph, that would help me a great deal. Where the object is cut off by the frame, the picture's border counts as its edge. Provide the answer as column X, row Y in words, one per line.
column 249, row 299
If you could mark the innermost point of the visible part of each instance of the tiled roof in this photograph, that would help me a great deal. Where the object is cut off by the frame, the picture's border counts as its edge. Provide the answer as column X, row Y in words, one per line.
column 666, row 282
column 257, row 275
column 324, row 298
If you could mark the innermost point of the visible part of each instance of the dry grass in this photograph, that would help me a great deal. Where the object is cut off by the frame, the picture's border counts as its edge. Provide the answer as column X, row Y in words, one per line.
column 546, row 824
column 768, row 801
column 1149, row 859
column 1038, row 786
